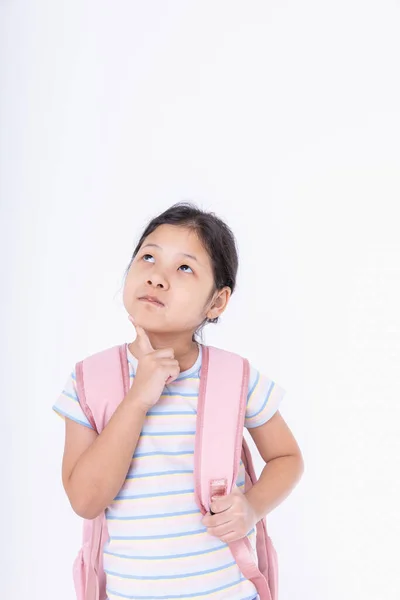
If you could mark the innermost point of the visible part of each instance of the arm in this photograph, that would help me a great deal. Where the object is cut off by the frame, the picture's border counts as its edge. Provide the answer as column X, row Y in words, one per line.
column 284, row 467
column 235, row 514
column 95, row 466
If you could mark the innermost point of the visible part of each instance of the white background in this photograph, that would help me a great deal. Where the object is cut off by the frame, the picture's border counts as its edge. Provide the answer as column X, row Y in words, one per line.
column 284, row 119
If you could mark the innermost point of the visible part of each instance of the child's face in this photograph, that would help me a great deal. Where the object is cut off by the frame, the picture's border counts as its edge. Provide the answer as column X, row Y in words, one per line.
column 182, row 283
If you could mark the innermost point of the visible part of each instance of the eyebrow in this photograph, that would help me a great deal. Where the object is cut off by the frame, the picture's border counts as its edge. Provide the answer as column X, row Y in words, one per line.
column 181, row 253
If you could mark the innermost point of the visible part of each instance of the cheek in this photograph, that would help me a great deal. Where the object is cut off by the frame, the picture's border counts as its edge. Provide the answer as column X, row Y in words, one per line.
column 129, row 289
column 125, row 298
column 189, row 304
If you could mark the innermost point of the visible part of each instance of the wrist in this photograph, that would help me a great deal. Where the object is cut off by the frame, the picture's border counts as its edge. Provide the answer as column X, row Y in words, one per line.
column 252, row 499
column 134, row 400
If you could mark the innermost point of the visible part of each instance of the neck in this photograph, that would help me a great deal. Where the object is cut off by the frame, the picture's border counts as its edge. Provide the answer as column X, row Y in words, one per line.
column 185, row 349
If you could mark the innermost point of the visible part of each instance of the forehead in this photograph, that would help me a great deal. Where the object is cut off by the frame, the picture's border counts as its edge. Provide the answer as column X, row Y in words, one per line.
column 178, row 240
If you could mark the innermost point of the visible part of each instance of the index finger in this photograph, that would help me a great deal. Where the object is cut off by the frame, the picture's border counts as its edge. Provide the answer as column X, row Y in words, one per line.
column 143, row 340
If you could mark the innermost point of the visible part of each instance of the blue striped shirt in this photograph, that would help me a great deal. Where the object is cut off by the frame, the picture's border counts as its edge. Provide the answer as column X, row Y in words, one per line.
column 158, row 546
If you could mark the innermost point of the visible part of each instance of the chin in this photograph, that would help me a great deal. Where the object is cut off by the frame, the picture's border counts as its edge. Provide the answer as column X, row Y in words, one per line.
column 149, row 322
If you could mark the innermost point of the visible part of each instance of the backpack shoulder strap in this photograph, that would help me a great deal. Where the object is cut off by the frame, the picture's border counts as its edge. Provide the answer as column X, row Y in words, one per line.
column 224, row 381
column 102, row 383
column 220, row 420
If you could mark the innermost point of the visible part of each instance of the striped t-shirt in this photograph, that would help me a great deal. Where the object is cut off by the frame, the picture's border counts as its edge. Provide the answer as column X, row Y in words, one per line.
column 158, row 547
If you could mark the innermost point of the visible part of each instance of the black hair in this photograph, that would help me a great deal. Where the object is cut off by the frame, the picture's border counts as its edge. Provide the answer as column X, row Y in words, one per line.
column 214, row 233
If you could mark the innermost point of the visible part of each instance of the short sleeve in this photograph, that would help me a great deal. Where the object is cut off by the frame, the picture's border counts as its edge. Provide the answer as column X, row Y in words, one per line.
column 263, row 399
column 68, row 405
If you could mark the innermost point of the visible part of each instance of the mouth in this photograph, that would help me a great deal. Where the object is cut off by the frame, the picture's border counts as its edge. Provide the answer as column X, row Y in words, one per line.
column 151, row 300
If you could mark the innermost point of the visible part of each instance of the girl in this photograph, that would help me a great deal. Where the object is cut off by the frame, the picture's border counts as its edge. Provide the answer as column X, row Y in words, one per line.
column 140, row 468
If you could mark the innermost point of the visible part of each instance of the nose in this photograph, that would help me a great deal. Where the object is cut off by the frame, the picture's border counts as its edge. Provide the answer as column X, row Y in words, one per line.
column 158, row 281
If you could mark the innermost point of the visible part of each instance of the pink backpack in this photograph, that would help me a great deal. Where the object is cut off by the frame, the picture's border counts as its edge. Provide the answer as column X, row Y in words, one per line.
column 102, row 383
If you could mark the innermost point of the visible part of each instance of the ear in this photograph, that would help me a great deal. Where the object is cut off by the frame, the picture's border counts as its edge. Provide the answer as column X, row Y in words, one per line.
column 219, row 303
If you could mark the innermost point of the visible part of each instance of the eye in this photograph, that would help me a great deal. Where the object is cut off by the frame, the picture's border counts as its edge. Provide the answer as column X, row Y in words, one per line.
column 147, row 256
column 187, row 266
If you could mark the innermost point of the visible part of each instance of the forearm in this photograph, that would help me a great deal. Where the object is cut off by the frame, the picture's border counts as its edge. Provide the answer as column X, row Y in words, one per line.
column 277, row 480
column 101, row 470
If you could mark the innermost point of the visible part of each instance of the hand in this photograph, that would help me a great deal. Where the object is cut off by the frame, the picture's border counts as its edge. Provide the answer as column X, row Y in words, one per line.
column 234, row 517
column 155, row 369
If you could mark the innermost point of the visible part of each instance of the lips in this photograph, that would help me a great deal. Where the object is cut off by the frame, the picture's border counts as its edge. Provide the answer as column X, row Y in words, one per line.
column 152, row 300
